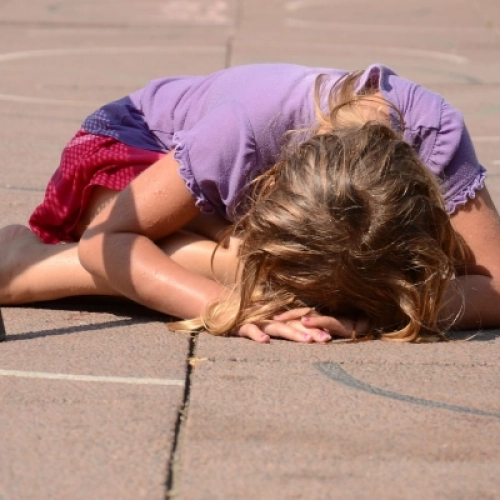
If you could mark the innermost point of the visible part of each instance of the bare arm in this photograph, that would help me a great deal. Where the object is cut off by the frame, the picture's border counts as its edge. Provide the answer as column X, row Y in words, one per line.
column 118, row 246
column 213, row 226
column 478, row 291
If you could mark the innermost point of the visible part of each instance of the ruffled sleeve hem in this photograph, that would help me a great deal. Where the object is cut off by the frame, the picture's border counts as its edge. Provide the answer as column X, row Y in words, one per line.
column 467, row 193
column 181, row 154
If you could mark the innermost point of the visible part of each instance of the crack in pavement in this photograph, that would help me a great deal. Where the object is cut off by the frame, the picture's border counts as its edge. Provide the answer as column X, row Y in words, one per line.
column 174, row 463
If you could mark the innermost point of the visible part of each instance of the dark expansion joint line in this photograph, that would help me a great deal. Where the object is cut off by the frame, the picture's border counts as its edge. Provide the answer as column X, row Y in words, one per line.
column 3, row 333
column 174, row 466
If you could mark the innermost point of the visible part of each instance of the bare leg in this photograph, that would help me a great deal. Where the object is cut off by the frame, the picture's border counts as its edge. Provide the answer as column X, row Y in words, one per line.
column 31, row 271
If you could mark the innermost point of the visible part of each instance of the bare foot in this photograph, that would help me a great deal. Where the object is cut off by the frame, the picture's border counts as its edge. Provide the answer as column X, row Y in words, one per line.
column 32, row 271
column 17, row 244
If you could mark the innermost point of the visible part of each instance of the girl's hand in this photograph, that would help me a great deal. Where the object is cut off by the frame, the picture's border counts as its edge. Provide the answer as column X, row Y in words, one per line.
column 337, row 327
column 288, row 326
column 291, row 329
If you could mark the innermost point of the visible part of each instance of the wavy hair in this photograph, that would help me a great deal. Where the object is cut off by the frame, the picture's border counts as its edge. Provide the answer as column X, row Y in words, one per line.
column 352, row 223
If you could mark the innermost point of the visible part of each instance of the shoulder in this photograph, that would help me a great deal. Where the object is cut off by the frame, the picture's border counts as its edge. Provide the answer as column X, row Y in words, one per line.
column 430, row 124
column 420, row 106
column 436, row 130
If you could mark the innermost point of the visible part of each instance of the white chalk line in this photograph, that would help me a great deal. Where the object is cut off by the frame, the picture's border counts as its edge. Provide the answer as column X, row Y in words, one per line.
column 55, row 32
column 91, row 378
column 402, row 28
column 401, row 51
column 42, row 100
column 303, row 4
column 27, row 54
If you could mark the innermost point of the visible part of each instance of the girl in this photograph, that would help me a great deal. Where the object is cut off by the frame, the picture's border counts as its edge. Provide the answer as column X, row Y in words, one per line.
column 340, row 187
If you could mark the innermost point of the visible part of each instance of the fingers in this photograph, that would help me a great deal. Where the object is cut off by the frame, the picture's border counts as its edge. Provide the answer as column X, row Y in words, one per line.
column 253, row 332
column 299, row 325
column 291, row 330
column 293, row 314
column 339, row 327
column 294, row 330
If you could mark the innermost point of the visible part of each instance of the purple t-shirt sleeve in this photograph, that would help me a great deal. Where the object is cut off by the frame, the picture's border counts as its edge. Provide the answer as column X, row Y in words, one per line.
column 437, row 132
column 448, row 152
column 463, row 175
column 217, row 156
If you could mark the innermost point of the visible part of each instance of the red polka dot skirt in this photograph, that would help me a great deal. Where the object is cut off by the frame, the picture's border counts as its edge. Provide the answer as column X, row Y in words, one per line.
column 88, row 160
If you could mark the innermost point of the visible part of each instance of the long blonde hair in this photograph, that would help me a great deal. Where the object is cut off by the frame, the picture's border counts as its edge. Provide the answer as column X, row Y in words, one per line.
column 350, row 222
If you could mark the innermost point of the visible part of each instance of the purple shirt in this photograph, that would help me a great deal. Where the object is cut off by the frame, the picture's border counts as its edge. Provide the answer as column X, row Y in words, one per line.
column 229, row 126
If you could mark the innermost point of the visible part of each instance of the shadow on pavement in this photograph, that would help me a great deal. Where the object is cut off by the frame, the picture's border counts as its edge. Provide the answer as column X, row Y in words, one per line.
column 130, row 312
column 73, row 329
column 471, row 336
column 336, row 373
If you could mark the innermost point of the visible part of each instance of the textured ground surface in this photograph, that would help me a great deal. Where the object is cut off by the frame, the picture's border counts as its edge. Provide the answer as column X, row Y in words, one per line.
column 101, row 402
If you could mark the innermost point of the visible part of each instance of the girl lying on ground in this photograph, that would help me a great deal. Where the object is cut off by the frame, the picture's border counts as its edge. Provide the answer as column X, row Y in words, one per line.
column 358, row 204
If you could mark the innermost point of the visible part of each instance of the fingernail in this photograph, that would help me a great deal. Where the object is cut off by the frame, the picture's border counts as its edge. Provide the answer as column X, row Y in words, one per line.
column 306, row 318
column 306, row 336
column 324, row 336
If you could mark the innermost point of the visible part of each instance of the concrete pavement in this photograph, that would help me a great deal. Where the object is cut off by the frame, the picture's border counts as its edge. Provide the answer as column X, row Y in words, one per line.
column 100, row 401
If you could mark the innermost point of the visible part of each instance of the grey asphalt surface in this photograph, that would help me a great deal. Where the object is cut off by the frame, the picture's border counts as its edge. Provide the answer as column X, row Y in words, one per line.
column 98, row 400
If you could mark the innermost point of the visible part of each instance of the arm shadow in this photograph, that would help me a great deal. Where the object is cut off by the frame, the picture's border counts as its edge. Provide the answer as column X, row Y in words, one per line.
column 128, row 313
